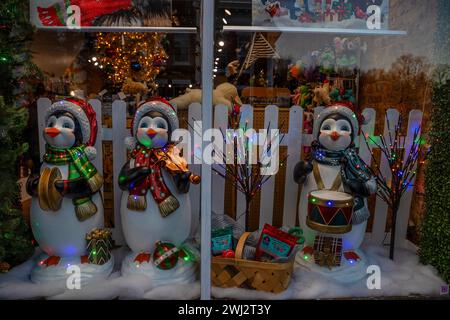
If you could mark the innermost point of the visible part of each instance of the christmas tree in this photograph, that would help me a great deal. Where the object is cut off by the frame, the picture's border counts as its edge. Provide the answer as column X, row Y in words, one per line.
column 15, row 239
column 128, row 55
column 435, row 229
column 17, row 82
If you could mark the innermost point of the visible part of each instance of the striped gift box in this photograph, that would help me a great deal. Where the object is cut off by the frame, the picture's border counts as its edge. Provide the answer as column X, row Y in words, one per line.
column 327, row 251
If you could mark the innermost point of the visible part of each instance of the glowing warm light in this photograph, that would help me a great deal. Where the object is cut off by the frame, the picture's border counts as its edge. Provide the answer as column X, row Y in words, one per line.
column 224, row 21
column 130, row 55
column 221, row 43
column 228, row 12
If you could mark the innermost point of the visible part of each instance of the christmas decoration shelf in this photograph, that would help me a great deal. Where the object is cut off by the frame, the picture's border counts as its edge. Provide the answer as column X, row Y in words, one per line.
column 122, row 29
column 341, row 31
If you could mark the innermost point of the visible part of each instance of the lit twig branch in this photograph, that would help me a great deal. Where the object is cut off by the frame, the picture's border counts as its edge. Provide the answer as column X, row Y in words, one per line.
column 243, row 175
column 401, row 165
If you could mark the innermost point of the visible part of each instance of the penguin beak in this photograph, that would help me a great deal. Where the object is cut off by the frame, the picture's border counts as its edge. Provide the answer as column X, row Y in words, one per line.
column 151, row 133
column 52, row 132
column 335, row 136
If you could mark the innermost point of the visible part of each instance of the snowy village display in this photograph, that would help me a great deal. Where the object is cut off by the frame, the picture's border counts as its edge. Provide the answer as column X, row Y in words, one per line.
column 320, row 13
column 333, row 210
column 66, row 204
column 155, row 207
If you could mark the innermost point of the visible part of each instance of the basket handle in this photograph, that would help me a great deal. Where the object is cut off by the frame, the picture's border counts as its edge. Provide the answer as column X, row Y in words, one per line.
column 240, row 245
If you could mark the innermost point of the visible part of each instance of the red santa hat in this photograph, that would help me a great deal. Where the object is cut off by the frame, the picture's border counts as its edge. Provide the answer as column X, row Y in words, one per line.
column 86, row 117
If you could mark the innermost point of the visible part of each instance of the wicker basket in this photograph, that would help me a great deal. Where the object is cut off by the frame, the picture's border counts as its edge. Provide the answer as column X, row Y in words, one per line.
column 249, row 274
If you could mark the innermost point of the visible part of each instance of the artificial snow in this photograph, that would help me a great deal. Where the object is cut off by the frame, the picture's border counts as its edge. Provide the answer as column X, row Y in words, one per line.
column 403, row 277
column 89, row 272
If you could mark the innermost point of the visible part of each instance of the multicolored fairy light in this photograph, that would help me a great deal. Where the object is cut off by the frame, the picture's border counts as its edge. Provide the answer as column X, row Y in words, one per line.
column 402, row 161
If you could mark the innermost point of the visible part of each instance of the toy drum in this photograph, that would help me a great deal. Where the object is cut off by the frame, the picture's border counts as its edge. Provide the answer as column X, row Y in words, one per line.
column 330, row 211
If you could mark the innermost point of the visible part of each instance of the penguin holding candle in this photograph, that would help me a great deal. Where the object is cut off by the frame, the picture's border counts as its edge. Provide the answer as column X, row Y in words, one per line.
column 66, row 202
column 335, row 184
column 155, row 206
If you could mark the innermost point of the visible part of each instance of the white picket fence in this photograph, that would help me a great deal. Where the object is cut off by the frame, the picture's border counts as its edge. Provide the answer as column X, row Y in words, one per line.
column 294, row 141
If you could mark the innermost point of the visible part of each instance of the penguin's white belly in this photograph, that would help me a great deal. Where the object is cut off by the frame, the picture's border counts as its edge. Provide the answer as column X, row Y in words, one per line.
column 351, row 240
column 142, row 229
column 59, row 232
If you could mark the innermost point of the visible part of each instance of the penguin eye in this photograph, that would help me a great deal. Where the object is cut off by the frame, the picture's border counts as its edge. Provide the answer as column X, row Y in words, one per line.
column 161, row 125
column 67, row 125
column 66, row 122
column 343, row 126
column 51, row 122
column 328, row 125
column 145, row 122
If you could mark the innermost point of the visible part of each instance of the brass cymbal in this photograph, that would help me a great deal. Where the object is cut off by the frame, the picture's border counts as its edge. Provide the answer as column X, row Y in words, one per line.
column 49, row 198
column 42, row 188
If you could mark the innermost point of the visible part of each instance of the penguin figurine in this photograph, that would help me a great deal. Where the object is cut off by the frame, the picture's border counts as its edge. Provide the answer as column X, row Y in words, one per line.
column 70, row 133
column 336, row 162
column 155, row 204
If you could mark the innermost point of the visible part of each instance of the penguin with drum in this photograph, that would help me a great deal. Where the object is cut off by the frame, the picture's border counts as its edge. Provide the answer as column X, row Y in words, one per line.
column 333, row 206
column 66, row 203
column 155, row 207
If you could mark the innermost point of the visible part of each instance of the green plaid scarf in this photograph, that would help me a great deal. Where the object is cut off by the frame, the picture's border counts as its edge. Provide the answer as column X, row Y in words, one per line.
column 79, row 166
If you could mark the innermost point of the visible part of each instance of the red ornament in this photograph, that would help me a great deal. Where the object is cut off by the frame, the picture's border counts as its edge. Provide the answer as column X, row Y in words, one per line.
column 110, row 52
column 228, row 253
column 157, row 63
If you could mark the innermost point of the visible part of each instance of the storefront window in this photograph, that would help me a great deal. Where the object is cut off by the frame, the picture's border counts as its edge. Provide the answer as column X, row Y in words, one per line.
column 304, row 151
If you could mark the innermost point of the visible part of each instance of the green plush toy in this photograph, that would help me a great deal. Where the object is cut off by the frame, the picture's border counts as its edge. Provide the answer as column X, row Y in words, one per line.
column 305, row 99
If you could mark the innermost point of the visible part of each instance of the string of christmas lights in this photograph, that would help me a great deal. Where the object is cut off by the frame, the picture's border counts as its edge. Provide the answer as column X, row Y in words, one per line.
column 242, row 173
